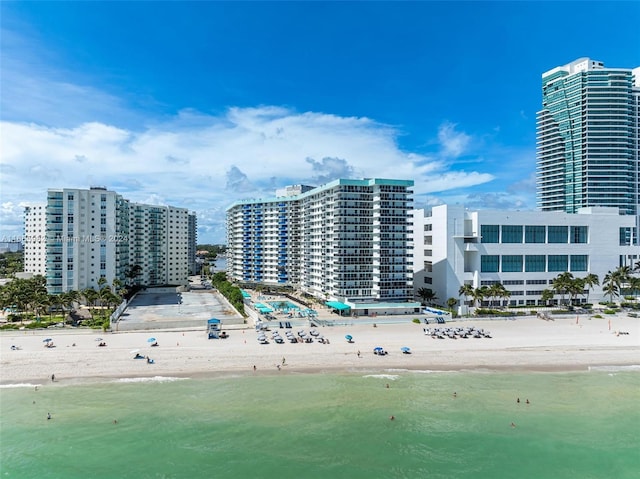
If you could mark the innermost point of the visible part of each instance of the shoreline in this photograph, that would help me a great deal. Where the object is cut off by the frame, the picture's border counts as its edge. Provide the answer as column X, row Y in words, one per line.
column 526, row 344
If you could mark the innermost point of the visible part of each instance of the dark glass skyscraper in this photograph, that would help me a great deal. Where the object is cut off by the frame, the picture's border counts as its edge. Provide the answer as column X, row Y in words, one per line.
column 588, row 138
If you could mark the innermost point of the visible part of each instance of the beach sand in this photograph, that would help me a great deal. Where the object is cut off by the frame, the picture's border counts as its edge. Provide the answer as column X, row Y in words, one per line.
column 527, row 343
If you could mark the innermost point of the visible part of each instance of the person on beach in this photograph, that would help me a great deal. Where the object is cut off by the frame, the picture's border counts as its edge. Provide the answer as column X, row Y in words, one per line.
column 518, row 400
column 53, row 377
column 48, row 416
column 392, row 417
column 358, row 353
column 283, row 360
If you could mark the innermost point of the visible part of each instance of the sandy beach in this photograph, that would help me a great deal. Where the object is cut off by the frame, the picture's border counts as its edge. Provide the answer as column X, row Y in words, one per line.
column 528, row 343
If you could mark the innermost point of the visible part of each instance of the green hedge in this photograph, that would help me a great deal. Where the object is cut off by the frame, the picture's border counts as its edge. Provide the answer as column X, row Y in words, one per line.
column 229, row 291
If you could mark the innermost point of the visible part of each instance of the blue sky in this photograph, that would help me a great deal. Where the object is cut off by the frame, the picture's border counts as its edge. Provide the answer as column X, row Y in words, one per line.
column 197, row 104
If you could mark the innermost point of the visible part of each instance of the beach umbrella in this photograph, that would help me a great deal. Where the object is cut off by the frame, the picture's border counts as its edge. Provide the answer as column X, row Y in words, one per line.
column 348, row 337
column 151, row 340
column 47, row 340
column 377, row 348
column 98, row 339
column 405, row 349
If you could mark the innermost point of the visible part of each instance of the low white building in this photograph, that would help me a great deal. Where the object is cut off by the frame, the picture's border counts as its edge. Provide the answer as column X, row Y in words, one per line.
column 522, row 250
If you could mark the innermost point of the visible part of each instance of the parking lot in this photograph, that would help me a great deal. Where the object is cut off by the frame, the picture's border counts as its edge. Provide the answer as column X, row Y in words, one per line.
column 176, row 310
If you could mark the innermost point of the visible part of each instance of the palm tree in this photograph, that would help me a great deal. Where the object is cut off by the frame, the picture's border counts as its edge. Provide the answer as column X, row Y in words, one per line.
column 561, row 284
column 466, row 290
column 505, row 293
column 547, row 295
column 90, row 296
column 576, row 287
column 610, row 287
column 426, row 295
column 479, row 294
column 451, row 303
column 623, row 273
column 590, row 281
column 613, row 281
column 497, row 290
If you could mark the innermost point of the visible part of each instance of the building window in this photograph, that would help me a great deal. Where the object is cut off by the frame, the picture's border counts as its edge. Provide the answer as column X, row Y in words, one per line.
column 535, row 263
column 625, row 236
column 578, row 234
column 489, row 233
column 489, row 263
column 558, row 234
column 428, row 227
column 428, row 280
column 579, row 262
column 558, row 263
column 428, row 266
column 511, row 234
column 534, row 234
column 511, row 263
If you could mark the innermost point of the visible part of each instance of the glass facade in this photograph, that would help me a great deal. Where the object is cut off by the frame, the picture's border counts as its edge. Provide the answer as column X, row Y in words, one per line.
column 578, row 234
column 579, row 262
column 535, row 234
column 512, row 234
column 558, row 234
column 489, row 263
column 558, row 263
column 512, row 263
column 490, row 233
column 587, row 152
column 535, row 263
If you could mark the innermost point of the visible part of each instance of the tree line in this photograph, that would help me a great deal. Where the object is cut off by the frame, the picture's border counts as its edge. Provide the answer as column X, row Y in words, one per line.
column 615, row 283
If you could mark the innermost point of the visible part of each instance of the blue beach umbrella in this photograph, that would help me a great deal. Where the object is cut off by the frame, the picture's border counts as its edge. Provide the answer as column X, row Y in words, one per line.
column 151, row 340
column 405, row 349
column 348, row 337
column 377, row 348
column 47, row 340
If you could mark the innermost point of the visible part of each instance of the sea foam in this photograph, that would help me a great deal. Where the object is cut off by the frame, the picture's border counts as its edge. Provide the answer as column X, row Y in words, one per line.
column 19, row 385
column 157, row 379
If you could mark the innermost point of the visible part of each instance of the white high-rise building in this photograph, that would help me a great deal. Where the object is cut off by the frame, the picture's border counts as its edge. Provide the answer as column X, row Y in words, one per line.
column 346, row 241
column 35, row 239
column 96, row 233
column 522, row 250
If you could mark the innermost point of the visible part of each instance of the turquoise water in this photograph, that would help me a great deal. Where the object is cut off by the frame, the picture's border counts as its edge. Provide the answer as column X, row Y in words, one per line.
column 578, row 425
column 289, row 305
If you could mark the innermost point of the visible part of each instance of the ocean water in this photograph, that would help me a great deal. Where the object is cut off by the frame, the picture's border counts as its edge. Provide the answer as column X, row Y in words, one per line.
column 577, row 425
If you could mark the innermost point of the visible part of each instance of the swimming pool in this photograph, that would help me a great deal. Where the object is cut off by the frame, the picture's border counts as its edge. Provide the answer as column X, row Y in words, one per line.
column 287, row 305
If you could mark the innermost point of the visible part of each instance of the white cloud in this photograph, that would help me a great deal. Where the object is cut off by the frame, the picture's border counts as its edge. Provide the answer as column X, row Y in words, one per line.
column 452, row 143
column 206, row 164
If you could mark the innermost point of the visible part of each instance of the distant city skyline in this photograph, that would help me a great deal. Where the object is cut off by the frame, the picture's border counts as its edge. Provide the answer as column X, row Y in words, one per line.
column 205, row 103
